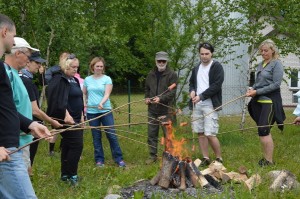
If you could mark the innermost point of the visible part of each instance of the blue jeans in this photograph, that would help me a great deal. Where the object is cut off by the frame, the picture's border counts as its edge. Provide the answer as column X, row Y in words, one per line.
column 107, row 120
column 14, row 179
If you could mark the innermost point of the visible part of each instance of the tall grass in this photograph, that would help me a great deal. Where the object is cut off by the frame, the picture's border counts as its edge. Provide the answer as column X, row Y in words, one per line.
column 239, row 148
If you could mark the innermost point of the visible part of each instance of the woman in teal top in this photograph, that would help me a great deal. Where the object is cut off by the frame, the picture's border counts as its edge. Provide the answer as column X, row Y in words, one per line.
column 97, row 89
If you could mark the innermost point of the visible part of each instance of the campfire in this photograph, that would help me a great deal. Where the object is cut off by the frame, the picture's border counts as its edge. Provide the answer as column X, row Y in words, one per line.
column 178, row 170
column 179, row 175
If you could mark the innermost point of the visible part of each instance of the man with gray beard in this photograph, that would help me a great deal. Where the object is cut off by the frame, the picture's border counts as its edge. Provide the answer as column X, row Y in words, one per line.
column 158, row 81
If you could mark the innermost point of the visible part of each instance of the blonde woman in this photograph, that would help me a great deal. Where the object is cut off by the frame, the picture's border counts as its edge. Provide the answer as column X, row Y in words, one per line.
column 265, row 106
column 65, row 102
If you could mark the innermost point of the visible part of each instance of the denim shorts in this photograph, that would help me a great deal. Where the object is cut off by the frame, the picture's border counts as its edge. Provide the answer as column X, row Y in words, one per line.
column 205, row 120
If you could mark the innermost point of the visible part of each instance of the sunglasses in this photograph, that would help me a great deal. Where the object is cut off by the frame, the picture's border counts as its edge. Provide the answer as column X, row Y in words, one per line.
column 161, row 61
column 71, row 56
column 205, row 45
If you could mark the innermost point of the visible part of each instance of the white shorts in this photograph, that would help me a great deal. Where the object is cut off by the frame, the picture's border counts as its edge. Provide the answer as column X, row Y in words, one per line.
column 209, row 125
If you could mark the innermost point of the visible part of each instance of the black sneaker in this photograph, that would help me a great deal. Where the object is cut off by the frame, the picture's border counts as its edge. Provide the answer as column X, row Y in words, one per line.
column 263, row 162
column 219, row 160
column 64, row 178
column 205, row 162
column 74, row 181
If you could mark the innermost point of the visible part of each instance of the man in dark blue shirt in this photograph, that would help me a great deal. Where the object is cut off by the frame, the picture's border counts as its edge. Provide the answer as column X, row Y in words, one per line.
column 11, row 122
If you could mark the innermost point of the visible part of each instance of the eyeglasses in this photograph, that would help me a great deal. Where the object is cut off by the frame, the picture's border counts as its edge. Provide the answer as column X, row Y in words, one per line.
column 26, row 54
column 161, row 61
column 71, row 56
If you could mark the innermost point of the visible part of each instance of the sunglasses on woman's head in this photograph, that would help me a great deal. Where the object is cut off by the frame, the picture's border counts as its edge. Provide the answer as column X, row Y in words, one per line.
column 71, row 56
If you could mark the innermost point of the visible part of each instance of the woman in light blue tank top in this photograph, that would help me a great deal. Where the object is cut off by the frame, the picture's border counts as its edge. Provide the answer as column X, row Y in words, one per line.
column 97, row 89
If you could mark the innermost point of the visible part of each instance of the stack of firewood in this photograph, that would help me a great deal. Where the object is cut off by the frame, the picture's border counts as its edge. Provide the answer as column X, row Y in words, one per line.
column 220, row 173
column 184, row 173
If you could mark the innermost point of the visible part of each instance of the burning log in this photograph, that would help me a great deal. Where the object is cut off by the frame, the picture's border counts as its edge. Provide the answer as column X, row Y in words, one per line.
column 175, row 173
column 182, row 169
column 175, row 179
column 168, row 164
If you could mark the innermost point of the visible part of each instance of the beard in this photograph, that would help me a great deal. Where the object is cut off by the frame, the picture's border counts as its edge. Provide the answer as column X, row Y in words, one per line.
column 161, row 67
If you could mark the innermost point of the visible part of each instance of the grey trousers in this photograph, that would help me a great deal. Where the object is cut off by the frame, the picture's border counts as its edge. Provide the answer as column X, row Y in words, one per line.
column 153, row 131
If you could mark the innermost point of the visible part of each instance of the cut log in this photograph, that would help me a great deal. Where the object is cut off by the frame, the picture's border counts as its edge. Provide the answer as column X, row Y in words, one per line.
column 283, row 180
column 213, row 176
column 233, row 176
column 206, row 171
column 217, row 166
column 278, row 182
column 213, row 181
column 169, row 163
column 182, row 169
column 226, row 178
column 175, row 180
column 243, row 170
column 197, row 162
column 218, row 174
column 198, row 180
column 155, row 179
column 274, row 174
column 253, row 181
column 243, row 177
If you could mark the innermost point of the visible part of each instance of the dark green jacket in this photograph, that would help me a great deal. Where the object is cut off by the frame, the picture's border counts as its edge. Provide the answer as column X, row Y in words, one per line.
column 154, row 88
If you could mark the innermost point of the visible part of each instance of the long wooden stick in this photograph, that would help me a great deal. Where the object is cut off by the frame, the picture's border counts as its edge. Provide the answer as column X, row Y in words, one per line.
column 79, row 124
column 252, row 127
column 218, row 108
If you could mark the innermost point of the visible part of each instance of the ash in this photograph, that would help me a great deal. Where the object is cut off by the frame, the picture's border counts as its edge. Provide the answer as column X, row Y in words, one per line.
column 150, row 191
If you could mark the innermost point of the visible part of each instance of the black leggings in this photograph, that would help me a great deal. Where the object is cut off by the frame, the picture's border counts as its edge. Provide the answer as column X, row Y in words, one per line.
column 71, row 149
column 263, row 114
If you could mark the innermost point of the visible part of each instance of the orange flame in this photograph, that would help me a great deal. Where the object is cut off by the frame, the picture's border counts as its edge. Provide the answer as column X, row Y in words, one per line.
column 173, row 146
column 162, row 141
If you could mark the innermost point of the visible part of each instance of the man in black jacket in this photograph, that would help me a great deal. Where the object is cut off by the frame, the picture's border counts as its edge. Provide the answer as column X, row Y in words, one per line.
column 14, row 179
column 206, row 95
column 158, row 81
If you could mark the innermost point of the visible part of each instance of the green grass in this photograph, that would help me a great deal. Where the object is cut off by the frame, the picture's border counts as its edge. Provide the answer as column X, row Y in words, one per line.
column 239, row 148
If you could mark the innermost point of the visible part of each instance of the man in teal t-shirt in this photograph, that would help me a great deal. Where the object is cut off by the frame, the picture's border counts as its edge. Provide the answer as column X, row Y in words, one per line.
column 14, row 62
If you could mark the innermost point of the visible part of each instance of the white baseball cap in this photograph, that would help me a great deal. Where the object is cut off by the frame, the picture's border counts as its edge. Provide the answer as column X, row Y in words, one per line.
column 22, row 43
